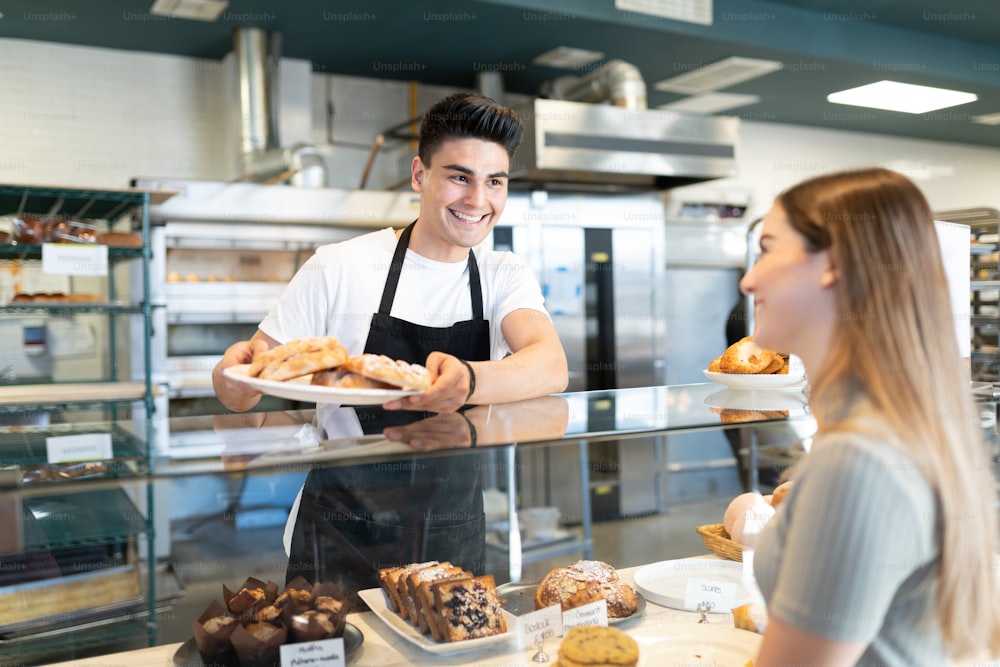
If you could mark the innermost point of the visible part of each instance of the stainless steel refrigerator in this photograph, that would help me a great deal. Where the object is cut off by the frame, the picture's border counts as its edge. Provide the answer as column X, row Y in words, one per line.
column 638, row 299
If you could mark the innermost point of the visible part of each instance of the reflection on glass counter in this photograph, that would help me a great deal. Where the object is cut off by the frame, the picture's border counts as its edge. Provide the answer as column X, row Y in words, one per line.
column 337, row 435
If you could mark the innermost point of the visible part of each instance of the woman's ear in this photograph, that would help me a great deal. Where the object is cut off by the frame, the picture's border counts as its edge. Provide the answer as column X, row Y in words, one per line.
column 830, row 275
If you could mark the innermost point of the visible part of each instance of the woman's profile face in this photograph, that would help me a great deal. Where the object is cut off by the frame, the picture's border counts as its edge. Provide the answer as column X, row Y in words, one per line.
column 790, row 286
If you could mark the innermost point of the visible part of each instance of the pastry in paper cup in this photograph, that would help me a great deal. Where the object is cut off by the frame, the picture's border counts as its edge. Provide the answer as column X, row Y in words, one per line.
column 330, row 600
column 259, row 644
column 250, row 597
column 212, row 633
column 297, row 596
column 312, row 625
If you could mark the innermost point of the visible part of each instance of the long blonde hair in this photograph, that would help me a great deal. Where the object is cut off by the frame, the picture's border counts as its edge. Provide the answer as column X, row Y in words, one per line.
column 895, row 346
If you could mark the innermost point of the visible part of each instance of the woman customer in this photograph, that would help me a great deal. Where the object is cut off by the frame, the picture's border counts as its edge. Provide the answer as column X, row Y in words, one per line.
column 884, row 551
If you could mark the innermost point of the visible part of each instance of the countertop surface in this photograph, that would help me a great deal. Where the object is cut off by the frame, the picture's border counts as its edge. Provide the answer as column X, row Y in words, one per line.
column 382, row 647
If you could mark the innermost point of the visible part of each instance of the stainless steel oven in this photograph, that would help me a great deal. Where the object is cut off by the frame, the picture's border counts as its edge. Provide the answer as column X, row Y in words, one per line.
column 221, row 256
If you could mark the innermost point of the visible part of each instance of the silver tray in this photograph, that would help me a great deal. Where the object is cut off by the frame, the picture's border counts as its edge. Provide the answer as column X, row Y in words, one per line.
column 519, row 599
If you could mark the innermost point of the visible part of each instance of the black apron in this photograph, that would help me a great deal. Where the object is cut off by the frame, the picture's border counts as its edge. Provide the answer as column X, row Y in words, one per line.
column 355, row 520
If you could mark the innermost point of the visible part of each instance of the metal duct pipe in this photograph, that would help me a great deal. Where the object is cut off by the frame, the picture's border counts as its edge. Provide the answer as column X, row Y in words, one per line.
column 490, row 84
column 257, row 55
column 617, row 81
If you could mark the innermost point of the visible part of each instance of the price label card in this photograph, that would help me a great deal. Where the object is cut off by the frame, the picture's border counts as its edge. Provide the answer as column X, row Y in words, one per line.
column 83, row 447
column 595, row 613
column 717, row 595
column 75, row 259
column 540, row 624
column 323, row 653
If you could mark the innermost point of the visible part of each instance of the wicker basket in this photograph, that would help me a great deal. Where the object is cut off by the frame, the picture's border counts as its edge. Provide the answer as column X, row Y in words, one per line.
column 719, row 543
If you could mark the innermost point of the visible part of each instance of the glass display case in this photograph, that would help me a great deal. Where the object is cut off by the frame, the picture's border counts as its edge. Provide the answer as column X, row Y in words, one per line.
column 482, row 451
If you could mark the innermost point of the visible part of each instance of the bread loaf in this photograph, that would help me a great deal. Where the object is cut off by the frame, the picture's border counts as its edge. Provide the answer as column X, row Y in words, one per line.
column 584, row 582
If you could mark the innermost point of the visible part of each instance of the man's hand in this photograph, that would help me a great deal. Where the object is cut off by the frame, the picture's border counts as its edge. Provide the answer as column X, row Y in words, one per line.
column 234, row 395
column 448, row 391
column 443, row 431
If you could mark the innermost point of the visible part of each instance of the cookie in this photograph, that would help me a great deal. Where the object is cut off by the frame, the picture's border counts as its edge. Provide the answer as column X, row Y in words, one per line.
column 596, row 646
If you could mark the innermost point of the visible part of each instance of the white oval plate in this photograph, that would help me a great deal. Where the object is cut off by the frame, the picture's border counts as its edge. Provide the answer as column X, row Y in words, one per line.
column 665, row 583
column 711, row 645
column 299, row 389
column 375, row 599
column 772, row 381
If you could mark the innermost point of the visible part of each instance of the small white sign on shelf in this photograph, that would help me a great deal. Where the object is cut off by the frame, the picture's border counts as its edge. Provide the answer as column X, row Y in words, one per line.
column 75, row 259
column 82, row 447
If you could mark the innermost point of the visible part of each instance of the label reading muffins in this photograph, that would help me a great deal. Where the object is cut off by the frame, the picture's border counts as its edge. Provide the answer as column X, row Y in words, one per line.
column 326, row 652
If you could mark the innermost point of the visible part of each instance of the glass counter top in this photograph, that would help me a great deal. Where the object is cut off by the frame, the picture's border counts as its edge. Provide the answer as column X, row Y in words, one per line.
column 331, row 435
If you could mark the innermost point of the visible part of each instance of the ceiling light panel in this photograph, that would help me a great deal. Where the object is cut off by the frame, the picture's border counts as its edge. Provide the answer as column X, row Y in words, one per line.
column 987, row 119
column 197, row 10
column 905, row 97
column 567, row 57
column 709, row 103
column 691, row 11
column 718, row 75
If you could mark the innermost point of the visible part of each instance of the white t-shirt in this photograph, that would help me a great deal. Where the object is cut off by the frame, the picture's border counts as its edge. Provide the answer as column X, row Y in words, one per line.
column 339, row 288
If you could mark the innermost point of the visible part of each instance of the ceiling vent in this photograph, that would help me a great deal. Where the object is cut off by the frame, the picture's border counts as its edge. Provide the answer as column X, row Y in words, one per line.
column 708, row 103
column 197, row 10
column 718, row 75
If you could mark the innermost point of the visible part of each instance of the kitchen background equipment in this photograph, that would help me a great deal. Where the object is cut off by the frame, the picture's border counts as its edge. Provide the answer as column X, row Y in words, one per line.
column 222, row 254
column 984, row 277
column 638, row 299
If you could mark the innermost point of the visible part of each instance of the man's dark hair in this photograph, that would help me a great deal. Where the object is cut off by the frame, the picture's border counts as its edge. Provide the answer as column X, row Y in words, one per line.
column 468, row 116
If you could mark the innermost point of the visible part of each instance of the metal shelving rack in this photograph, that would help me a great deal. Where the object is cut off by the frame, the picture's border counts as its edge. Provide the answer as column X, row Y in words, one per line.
column 98, row 517
column 984, row 283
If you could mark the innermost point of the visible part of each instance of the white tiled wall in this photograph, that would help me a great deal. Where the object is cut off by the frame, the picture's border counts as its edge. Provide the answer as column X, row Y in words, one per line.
column 96, row 117
column 772, row 156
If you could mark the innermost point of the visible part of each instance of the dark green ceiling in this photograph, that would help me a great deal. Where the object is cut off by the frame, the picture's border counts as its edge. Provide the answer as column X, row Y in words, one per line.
column 826, row 46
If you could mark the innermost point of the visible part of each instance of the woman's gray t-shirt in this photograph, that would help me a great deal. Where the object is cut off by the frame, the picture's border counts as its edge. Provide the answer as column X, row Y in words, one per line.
column 852, row 552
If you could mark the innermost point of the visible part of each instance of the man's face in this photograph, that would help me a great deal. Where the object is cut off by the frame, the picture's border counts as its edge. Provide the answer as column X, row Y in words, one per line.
column 462, row 194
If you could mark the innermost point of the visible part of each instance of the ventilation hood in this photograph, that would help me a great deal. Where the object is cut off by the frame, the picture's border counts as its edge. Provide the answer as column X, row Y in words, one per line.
column 570, row 145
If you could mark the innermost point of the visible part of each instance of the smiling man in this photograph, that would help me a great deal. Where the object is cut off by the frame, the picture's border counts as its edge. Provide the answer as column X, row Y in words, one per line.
column 430, row 294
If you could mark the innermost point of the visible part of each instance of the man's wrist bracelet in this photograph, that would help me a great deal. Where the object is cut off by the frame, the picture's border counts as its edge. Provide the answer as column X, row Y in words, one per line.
column 473, row 436
column 472, row 379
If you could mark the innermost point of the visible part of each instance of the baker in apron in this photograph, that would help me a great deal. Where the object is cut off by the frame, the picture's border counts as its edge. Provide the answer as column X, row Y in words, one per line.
column 354, row 520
